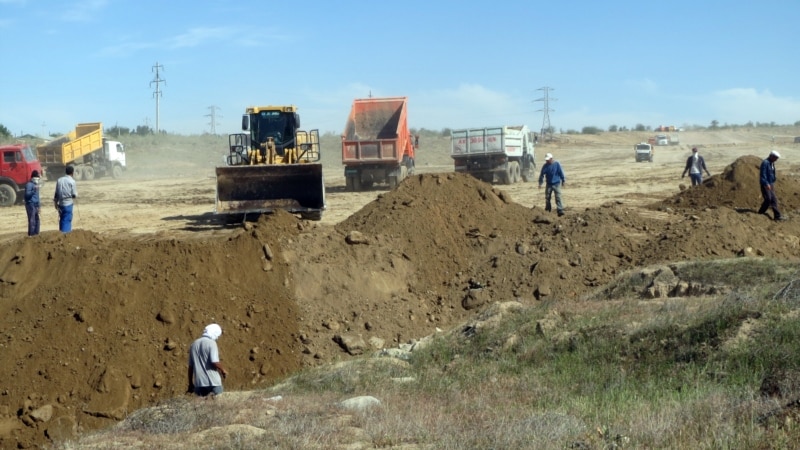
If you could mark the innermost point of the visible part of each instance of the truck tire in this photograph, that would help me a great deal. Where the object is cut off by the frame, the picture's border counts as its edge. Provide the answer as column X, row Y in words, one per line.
column 88, row 173
column 77, row 172
column 116, row 172
column 8, row 196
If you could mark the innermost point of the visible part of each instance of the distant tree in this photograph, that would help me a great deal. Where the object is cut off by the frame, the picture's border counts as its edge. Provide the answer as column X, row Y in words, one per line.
column 143, row 130
column 749, row 124
column 797, row 124
column 613, row 128
column 640, row 127
column 623, row 128
column 570, row 131
column 118, row 131
column 591, row 130
column 445, row 132
column 4, row 132
column 714, row 124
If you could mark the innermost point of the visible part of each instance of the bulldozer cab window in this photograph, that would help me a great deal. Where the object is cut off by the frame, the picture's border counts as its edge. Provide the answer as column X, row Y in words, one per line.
column 273, row 124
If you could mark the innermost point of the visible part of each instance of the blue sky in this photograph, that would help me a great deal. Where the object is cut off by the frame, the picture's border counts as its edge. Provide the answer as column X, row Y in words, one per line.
column 460, row 63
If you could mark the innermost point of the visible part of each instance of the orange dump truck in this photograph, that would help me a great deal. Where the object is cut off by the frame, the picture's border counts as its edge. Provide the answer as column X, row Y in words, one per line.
column 377, row 147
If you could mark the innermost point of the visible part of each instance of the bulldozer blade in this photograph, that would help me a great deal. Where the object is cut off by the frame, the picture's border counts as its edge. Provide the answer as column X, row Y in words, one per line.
column 297, row 188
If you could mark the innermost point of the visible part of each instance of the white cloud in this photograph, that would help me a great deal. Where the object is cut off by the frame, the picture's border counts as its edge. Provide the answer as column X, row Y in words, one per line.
column 83, row 11
column 198, row 36
column 740, row 105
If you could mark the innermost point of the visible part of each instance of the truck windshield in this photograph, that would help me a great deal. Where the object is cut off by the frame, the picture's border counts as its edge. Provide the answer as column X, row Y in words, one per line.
column 30, row 155
column 642, row 147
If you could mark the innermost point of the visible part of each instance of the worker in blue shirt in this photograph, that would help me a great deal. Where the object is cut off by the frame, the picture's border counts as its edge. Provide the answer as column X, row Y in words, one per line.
column 554, row 175
column 767, row 180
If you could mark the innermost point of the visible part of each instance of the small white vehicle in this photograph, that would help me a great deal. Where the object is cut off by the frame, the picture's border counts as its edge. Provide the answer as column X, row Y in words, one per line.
column 643, row 152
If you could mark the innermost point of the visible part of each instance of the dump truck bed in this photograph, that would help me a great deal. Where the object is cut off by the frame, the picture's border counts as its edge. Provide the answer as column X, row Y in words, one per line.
column 86, row 138
column 246, row 189
column 377, row 131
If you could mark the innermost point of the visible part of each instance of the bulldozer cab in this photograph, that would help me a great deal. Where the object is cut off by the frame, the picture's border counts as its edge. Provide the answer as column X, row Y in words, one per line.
column 280, row 126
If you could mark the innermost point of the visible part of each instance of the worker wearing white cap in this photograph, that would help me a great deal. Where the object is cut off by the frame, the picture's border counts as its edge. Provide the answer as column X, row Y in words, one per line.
column 554, row 174
column 767, row 180
column 205, row 371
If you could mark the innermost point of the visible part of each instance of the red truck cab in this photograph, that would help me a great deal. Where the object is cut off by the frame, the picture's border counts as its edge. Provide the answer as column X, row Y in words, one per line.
column 17, row 162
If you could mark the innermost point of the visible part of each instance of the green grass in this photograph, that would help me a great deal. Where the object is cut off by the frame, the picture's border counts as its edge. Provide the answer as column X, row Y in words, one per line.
column 677, row 373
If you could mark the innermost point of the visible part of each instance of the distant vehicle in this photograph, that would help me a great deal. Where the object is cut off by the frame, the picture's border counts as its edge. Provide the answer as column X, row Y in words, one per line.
column 86, row 150
column 503, row 154
column 17, row 163
column 797, row 140
column 662, row 139
column 643, row 152
column 674, row 139
column 665, row 128
column 377, row 146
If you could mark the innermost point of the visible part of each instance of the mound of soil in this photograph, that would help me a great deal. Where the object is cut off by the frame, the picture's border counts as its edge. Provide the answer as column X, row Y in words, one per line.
column 737, row 187
column 96, row 327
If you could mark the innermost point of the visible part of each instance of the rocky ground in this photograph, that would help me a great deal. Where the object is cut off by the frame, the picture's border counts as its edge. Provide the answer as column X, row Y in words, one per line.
column 97, row 322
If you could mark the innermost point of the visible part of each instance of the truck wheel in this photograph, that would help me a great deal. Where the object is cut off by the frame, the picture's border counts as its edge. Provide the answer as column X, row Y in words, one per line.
column 88, row 173
column 116, row 172
column 77, row 172
column 507, row 176
column 8, row 196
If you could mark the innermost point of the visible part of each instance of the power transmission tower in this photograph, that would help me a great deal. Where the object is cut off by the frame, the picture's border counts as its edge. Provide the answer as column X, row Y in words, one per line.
column 213, row 115
column 546, row 128
column 157, row 93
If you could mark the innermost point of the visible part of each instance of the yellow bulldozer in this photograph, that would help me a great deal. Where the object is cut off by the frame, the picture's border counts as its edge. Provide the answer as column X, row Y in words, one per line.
column 273, row 166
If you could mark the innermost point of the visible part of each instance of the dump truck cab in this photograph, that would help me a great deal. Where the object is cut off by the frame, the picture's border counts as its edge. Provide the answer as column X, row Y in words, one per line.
column 274, row 165
column 17, row 162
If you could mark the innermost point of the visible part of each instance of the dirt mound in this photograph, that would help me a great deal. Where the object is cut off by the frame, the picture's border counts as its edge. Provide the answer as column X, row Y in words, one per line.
column 95, row 327
column 737, row 187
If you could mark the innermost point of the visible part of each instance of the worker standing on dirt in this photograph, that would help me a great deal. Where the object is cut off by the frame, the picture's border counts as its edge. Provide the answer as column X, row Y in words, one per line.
column 64, row 199
column 695, row 165
column 554, row 175
column 767, row 180
column 205, row 371
column 32, row 205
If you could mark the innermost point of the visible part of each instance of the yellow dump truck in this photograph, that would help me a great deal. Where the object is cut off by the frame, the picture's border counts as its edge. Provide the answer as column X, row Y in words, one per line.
column 86, row 150
column 273, row 166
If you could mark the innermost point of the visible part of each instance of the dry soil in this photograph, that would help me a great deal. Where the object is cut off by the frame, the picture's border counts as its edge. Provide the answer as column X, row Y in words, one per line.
column 96, row 323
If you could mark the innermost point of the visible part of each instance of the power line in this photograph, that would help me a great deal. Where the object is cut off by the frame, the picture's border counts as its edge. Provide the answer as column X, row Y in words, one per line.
column 213, row 115
column 157, row 93
column 546, row 128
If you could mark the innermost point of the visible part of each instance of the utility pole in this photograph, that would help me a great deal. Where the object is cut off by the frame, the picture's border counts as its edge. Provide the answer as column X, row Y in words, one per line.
column 546, row 116
column 157, row 93
column 213, row 115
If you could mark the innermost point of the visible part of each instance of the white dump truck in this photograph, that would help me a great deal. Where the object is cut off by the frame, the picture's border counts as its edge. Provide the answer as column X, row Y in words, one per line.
column 496, row 155
column 643, row 152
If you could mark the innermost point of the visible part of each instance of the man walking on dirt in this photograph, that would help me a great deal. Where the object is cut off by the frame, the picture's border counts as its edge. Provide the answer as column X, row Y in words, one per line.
column 767, row 180
column 64, row 199
column 552, row 172
column 695, row 165
column 205, row 371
